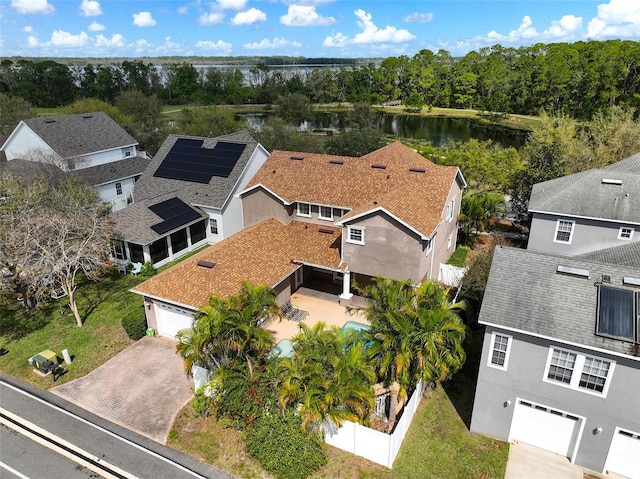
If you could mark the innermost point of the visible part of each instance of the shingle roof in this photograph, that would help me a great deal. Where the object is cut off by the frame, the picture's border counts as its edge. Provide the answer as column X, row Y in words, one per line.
column 133, row 223
column 354, row 184
column 524, row 292
column 260, row 254
column 31, row 169
column 586, row 195
column 628, row 165
column 624, row 255
column 76, row 135
column 116, row 170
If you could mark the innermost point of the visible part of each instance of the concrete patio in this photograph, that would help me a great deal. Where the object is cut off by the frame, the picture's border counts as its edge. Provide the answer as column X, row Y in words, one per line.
column 321, row 306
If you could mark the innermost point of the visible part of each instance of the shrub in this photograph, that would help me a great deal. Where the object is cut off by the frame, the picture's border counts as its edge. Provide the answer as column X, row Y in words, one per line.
column 271, row 434
column 148, row 269
column 204, row 405
column 135, row 325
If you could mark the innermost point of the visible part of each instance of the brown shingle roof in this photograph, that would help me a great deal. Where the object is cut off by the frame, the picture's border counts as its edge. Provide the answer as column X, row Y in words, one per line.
column 416, row 198
column 261, row 254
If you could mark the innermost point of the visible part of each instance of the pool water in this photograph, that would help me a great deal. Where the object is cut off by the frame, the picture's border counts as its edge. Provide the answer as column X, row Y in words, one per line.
column 283, row 349
column 355, row 326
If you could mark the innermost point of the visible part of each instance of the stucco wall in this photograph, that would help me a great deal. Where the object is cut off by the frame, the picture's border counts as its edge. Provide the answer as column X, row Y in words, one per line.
column 259, row 205
column 588, row 235
column 447, row 234
column 524, row 379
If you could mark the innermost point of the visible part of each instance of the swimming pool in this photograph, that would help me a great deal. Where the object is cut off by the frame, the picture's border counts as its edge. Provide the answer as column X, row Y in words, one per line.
column 355, row 326
column 283, row 349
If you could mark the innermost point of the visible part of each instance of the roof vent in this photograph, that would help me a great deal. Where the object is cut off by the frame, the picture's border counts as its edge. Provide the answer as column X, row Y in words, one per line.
column 86, row 117
column 379, row 166
column 206, row 264
column 336, row 162
column 49, row 120
column 326, row 231
column 418, row 170
column 631, row 281
column 573, row 271
column 611, row 181
column 606, row 278
column 296, row 157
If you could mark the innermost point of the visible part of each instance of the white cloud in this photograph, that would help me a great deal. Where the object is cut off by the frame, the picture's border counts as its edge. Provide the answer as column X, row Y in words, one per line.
column 219, row 46
column 618, row 18
column 417, row 17
column 231, row 4
column 90, row 8
column 183, row 10
column 338, row 40
column 60, row 38
column 33, row 41
column 143, row 19
column 567, row 26
column 249, row 17
column 269, row 44
column 372, row 34
column 525, row 30
column 33, row 6
column 27, row 29
column 210, row 19
column 116, row 41
column 305, row 16
column 313, row 3
column 97, row 27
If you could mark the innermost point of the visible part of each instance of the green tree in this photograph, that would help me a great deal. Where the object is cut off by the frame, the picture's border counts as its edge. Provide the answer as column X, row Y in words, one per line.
column 145, row 112
column 183, row 80
column 477, row 211
column 355, row 142
column 276, row 134
column 613, row 135
column 294, row 108
column 207, row 121
column 13, row 109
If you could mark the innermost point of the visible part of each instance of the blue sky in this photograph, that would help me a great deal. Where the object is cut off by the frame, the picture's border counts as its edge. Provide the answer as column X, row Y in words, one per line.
column 311, row 28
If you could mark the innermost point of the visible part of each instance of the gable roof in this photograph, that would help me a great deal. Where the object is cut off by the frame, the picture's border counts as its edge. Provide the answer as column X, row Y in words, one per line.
column 628, row 165
column 623, row 255
column 264, row 253
column 586, row 195
column 362, row 184
column 32, row 169
column 76, row 135
column 525, row 293
column 109, row 172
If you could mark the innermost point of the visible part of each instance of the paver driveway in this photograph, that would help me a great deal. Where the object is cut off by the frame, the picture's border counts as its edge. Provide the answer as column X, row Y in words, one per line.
column 142, row 388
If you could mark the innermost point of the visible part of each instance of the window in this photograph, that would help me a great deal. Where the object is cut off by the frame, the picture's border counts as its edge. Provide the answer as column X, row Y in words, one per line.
column 579, row 371
column 127, row 151
column 355, row 235
column 304, row 209
column 428, row 245
column 213, row 226
column 118, row 188
column 118, row 250
column 564, row 231
column 450, row 210
column 326, row 213
column 625, row 233
column 618, row 313
column 499, row 355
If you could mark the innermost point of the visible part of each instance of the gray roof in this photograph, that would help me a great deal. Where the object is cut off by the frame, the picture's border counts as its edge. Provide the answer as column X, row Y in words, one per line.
column 76, row 135
column 628, row 165
column 131, row 222
column 31, row 169
column 624, row 255
column 585, row 195
column 116, row 170
column 526, row 293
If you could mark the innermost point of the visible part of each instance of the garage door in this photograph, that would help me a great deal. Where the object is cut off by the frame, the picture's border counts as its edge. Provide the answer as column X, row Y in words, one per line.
column 170, row 320
column 544, row 427
column 624, row 454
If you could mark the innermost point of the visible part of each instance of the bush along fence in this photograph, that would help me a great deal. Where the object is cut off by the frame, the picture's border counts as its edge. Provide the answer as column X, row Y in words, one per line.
column 374, row 445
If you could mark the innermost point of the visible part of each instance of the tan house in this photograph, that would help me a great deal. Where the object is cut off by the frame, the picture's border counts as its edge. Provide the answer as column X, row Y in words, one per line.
column 324, row 222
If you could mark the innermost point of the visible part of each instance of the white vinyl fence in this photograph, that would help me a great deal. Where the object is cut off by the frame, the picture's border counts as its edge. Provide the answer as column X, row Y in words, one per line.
column 374, row 445
column 451, row 275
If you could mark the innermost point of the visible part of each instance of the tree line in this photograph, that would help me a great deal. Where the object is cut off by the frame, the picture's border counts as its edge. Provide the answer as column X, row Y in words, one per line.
column 575, row 79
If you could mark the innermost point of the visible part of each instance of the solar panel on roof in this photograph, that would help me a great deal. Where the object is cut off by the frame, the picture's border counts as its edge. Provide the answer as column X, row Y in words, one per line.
column 189, row 161
column 174, row 213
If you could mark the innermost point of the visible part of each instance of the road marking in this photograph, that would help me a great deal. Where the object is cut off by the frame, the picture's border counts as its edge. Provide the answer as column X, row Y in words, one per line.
column 112, row 434
column 13, row 471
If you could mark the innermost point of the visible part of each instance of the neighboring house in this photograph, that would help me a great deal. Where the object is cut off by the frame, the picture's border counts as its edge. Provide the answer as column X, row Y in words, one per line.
column 90, row 146
column 587, row 211
column 187, row 197
column 560, row 365
column 323, row 222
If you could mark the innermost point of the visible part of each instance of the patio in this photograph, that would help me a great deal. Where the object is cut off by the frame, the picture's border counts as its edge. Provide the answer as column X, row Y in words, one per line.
column 321, row 306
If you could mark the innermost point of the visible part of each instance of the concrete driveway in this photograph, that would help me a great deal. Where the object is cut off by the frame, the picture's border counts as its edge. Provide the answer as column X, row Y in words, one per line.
column 143, row 388
column 529, row 462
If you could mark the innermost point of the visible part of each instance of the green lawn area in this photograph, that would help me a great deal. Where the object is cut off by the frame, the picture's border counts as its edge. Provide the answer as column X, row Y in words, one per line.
column 459, row 256
column 438, row 444
column 102, row 306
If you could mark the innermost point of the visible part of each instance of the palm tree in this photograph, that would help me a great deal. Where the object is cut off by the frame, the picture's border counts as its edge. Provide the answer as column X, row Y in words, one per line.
column 328, row 378
column 477, row 210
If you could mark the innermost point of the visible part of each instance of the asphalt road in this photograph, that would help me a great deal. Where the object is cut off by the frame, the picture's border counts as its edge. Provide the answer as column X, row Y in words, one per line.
column 80, row 434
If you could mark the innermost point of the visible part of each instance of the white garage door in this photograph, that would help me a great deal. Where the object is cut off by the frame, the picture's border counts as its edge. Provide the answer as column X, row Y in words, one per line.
column 624, row 454
column 170, row 320
column 544, row 427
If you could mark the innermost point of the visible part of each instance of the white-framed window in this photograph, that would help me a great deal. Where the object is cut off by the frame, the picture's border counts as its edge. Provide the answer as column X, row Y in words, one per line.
column 304, row 209
column 564, row 231
column 500, row 348
column 625, row 233
column 429, row 245
column 355, row 235
column 127, row 151
column 213, row 226
column 451, row 207
column 118, row 250
column 118, row 188
column 578, row 371
column 326, row 213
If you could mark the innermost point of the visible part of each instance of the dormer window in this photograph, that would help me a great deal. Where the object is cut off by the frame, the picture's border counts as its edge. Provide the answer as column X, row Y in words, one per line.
column 326, row 213
column 304, row 209
column 625, row 233
column 127, row 151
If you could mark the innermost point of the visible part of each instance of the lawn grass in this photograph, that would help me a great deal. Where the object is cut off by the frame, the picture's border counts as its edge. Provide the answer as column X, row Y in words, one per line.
column 438, row 444
column 52, row 326
column 459, row 256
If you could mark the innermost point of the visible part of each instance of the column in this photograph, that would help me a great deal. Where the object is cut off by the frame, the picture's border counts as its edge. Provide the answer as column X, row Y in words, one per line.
column 346, row 286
